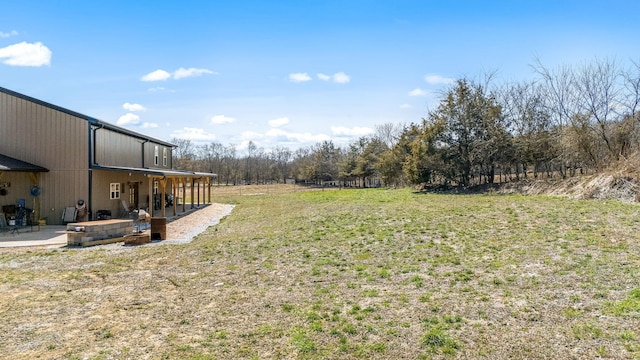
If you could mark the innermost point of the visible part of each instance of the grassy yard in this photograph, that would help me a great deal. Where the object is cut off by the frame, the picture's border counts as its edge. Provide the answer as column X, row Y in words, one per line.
column 344, row 274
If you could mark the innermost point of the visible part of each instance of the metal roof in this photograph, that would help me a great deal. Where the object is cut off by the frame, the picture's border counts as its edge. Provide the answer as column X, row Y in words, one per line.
column 204, row 174
column 155, row 172
column 8, row 163
column 91, row 120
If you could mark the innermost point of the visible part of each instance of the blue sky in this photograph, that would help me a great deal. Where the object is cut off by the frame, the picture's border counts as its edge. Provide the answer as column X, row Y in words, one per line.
column 288, row 73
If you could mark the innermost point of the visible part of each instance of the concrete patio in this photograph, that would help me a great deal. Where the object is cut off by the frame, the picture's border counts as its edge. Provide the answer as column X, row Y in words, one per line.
column 47, row 235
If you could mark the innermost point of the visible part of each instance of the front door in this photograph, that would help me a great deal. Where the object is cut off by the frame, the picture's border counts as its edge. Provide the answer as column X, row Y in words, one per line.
column 133, row 195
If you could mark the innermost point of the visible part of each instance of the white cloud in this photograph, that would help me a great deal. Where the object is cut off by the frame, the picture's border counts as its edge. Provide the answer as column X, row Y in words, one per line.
column 279, row 136
column 405, row 106
column 279, row 122
column 148, row 125
column 162, row 75
column 251, row 135
column 191, row 72
column 438, row 80
column 221, row 119
column 339, row 77
column 160, row 89
column 128, row 119
column 133, row 107
column 9, row 34
column 26, row 54
column 417, row 92
column 299, row 77
column 193, row 134
column 158, row 75
column 354, row 131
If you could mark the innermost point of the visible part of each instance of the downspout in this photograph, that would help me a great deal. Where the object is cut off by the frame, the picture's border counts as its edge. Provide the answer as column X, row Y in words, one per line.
column 92, row 146
column 90, row 157
column 149, row 195
column 93, row 159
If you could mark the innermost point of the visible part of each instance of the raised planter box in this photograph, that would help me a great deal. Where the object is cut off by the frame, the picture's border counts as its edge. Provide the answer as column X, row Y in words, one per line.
column 99, row 232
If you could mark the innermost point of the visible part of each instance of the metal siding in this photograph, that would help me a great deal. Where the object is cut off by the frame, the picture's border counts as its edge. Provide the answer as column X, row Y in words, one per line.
column 149, row 160
column 115, row 149
column 50, row 138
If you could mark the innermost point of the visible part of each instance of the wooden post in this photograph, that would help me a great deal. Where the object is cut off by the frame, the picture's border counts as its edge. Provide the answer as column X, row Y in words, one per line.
column 184, row 193
column 163, row 202
column 150, row 195
column 175, row 197
column 192, row 192
column 199, row 180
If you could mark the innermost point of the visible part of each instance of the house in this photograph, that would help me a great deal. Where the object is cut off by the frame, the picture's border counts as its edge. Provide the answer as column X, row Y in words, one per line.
column 52, row 157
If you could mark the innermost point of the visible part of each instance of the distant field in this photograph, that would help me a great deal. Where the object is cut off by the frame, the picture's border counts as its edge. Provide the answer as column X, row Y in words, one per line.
column 344, row 274
column 246, row 190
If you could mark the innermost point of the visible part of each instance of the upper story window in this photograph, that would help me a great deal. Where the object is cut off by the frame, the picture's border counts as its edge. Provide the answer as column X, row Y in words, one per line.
column 164, row 157
column 156, row 156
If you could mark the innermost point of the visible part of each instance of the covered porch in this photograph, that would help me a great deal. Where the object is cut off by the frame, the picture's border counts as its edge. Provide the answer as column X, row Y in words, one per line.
column 168, row 192
column 19, row 192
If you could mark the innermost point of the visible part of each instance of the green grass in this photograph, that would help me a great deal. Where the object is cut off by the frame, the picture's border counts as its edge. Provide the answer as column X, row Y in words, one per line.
column 629, row 306
column 357, row 274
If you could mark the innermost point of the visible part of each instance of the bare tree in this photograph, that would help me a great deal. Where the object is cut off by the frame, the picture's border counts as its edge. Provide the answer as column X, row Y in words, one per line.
column 389, row 133
column 598, row 96
column 530, row 124
column 557, row 86
column 184, row 154
column 231, row 165
column 281, row 157
column 561, row 103
column 632, row 89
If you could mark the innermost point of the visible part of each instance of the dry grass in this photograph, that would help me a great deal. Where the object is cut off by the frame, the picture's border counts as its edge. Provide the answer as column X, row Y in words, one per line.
column 344, row 274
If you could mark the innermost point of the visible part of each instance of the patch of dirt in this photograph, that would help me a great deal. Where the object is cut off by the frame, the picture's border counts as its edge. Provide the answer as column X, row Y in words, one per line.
column 606, row 186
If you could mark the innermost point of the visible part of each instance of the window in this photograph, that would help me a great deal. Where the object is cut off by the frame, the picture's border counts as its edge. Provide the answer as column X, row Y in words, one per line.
column 164, row 157
column 155, row 156
column 114, row 189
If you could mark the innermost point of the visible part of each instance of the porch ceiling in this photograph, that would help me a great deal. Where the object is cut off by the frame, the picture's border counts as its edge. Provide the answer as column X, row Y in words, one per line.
column 155, row 172
column 8, row 163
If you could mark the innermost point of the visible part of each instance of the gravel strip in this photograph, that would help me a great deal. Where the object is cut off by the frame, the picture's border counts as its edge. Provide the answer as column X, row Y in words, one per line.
column 183, row 229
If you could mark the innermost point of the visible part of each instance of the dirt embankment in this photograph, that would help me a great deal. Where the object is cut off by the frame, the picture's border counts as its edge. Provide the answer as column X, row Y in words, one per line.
column 606, row 186
column 620, row 186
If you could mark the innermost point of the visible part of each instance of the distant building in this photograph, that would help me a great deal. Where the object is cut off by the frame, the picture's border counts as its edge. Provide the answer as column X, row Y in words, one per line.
column 51, row 157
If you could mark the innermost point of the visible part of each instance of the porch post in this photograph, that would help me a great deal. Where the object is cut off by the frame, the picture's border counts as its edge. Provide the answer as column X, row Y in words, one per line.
column 175, row 197
column 163, row 203
column 184, row 193
column 199, row 180
column 150, row 195
column 192, row 192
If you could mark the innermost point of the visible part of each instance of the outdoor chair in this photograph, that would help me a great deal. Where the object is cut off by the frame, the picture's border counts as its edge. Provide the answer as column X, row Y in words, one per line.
column 3, row 223
column 69, row 214
column 139, row 216
column 127, row 211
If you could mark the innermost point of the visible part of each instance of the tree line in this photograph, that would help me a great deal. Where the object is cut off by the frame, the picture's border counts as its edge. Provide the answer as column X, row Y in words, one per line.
column 565, row 121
